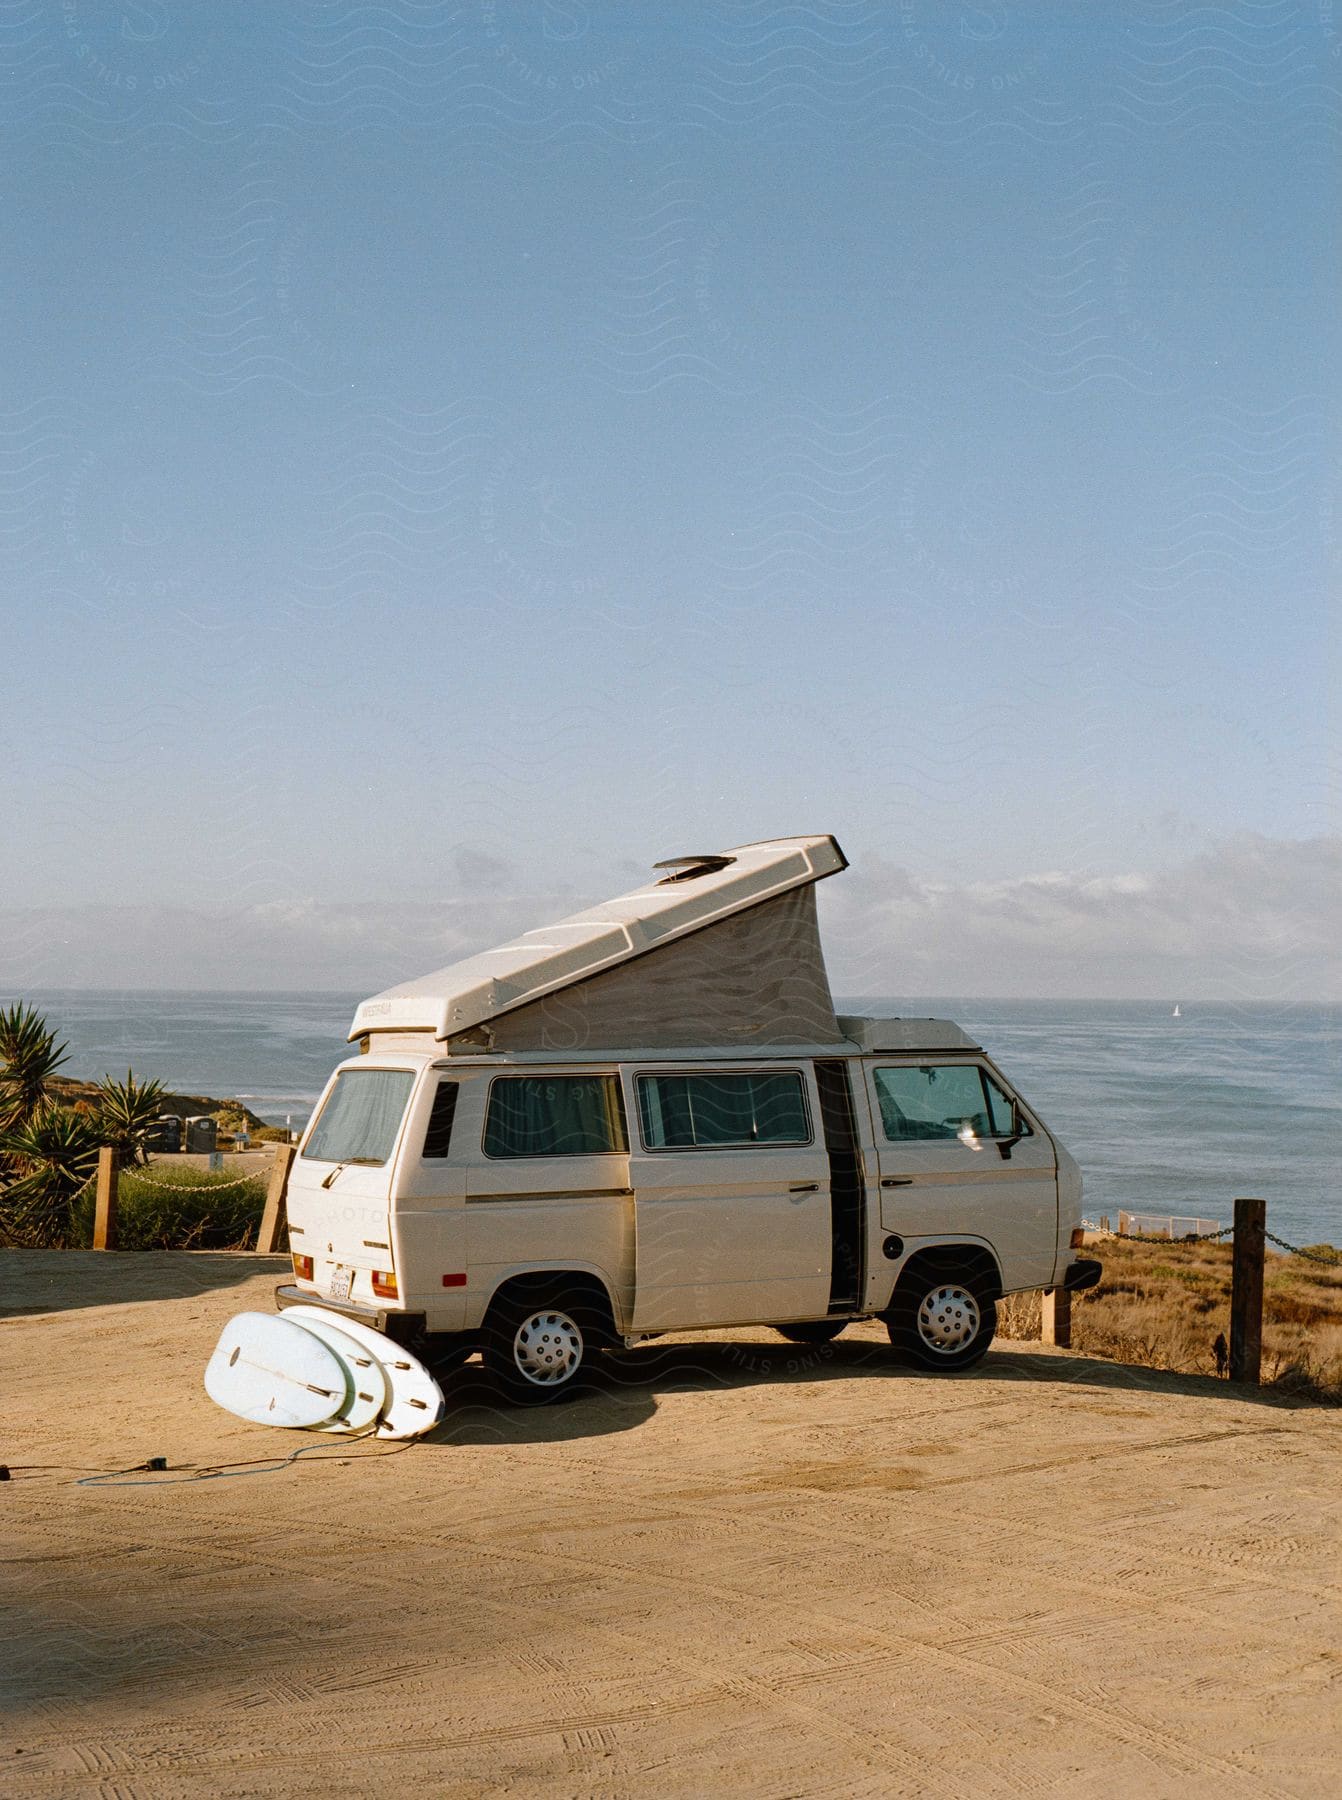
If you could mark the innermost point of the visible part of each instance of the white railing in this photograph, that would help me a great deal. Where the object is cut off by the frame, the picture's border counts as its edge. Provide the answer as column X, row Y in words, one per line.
column 1132, row 1224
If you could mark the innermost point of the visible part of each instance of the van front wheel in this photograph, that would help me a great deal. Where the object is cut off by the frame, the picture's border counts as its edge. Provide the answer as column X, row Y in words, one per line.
column 536, row 1352
column 942, row 1322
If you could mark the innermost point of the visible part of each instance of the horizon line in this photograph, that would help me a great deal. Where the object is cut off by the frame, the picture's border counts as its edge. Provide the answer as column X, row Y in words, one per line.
column 1182, row 998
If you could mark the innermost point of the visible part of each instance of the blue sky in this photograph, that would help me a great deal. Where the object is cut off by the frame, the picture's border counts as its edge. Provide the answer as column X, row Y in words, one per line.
column 542, row 438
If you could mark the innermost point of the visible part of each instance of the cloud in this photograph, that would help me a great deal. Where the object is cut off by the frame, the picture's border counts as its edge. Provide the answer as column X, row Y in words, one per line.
column 301, row 943
column 1252, row 918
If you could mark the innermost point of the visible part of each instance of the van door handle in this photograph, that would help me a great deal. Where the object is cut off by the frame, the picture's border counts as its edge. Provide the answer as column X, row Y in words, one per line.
column 805, row 1187
column 896, row 1181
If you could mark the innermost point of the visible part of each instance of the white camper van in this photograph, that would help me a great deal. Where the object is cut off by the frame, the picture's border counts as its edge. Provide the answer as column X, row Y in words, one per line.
column 648, row 1118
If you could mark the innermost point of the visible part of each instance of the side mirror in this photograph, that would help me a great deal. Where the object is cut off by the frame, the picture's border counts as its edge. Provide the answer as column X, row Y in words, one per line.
column 1007, row 1144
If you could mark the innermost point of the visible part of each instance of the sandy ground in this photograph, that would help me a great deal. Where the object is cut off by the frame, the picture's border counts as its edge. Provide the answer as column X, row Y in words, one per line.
column 736, row 1569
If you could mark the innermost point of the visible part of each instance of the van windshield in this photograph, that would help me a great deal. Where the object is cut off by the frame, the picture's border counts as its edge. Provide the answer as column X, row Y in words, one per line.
column 361, row 1117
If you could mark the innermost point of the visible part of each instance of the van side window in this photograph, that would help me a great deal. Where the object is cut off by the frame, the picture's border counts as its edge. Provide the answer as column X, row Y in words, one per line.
column 555, row 1115
column 942, row 1100
column 712, row 1111
column 438, row 1137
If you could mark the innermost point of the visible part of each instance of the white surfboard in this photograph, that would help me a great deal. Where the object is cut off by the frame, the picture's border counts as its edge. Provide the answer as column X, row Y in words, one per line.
column 415, row 1401
column 271, row 1372
column 369, row 1389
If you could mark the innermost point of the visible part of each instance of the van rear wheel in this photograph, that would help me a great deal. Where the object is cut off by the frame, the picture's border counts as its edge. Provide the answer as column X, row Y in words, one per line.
column 942, row 1321
column 537, row 1349
column 812, row 1331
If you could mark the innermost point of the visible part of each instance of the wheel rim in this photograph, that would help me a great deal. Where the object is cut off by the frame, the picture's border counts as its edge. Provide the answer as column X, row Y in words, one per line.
column 948, row 1319
column 547, row 1348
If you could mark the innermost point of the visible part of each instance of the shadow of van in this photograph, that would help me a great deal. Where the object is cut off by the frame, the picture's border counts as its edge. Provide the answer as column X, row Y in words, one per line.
column 623, row 1387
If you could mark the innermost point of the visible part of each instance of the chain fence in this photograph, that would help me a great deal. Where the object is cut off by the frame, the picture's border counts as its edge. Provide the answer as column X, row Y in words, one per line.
column 195, row 1187
column 173, row 1187
column 1331, row 1260
column 1184, row 1237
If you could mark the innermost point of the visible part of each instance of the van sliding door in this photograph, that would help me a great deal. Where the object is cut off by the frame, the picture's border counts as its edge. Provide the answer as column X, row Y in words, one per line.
column 731, row 1186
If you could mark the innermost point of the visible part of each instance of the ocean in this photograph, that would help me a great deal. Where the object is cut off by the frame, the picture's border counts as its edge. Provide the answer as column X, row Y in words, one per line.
column 1165, row 1115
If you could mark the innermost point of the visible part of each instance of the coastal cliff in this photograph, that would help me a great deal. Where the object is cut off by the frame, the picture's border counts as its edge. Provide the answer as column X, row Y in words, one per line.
column 70, row 1091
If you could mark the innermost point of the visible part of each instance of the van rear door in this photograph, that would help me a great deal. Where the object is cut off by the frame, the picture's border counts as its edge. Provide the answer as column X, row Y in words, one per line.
column 340, row 1182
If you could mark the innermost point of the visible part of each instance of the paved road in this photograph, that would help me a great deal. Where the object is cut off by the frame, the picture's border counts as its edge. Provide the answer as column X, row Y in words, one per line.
column 738, row 1569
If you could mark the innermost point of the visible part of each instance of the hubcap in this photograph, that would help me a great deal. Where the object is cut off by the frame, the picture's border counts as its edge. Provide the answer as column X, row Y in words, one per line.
column 547, row 1348
column 948, row 1318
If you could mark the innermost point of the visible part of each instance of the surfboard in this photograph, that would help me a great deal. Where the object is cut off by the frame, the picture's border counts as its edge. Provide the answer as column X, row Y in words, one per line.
column 415, row 1401
column 271, row 1372
column 369, row 1390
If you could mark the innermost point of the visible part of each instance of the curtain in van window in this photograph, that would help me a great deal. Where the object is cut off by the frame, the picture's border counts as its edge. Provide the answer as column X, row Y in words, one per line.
column 704, row 1111
column 555, row 1115
column 361, row 1117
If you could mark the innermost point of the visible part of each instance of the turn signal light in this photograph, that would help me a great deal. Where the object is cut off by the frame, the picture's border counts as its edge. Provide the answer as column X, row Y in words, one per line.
column 1078, row 1236
column 384, row 1284
column 302, row 1267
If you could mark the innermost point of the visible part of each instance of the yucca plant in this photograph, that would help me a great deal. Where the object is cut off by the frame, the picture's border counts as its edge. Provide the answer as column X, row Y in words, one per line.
column 50, row 1156
column 125, row 1114
column 29, row 1057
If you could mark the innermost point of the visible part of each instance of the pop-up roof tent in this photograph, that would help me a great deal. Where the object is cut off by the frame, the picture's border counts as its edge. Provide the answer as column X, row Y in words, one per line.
column 720, row 949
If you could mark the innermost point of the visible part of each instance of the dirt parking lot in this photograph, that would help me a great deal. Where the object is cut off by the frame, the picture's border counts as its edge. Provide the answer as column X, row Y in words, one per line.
column 738, row 1568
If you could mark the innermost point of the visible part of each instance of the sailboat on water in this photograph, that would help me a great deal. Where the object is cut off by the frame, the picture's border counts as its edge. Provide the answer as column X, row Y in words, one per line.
column 1176, row 1014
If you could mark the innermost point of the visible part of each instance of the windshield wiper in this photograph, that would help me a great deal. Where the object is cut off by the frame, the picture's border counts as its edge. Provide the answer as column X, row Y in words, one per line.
column 353, row 1162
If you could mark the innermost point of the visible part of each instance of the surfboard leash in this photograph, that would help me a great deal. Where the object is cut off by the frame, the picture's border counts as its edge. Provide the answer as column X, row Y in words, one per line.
column 158, row 1465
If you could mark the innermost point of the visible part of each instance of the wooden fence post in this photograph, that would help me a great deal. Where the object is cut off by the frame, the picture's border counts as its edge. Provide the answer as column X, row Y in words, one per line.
column 104, row 1213
column 272, row 1219
column 1056, row 1318
column 1246, row 1291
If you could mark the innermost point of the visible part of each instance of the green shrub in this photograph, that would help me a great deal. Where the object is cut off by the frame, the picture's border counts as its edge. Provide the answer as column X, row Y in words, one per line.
column 126, row 1115
column 50, row 1158
column 178, row 1207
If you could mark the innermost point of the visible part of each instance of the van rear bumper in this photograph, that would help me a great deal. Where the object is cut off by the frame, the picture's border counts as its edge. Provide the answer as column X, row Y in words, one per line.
column 400, row 1327
column 1082, row 1274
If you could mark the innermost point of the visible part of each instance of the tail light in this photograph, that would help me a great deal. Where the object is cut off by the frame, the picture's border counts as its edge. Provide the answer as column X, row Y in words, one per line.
column 384, row 1284
column 302, row 1267
column 1078, row 1236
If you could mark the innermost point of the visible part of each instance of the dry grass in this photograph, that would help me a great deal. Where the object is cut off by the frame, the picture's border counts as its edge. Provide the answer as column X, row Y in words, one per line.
column 1164, row 1306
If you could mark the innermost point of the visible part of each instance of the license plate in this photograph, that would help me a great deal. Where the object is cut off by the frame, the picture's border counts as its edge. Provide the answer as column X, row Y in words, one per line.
column 341, row 1282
